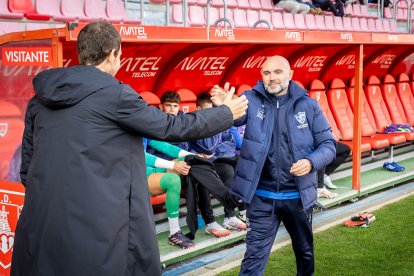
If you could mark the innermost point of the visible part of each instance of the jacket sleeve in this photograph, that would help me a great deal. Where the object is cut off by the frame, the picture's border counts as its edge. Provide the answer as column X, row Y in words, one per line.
column 206, row 145
column 325, row 144
column 166, row 148
column 134, row 114
column 238, row 139
column 27, row 144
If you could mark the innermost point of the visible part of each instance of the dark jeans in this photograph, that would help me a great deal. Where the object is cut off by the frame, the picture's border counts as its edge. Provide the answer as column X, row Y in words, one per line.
column 265, row 216
column 342, row 153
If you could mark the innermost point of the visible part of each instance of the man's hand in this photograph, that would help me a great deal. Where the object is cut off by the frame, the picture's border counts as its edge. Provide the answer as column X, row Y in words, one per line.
column 224, row 96
column 301, row 167
column 181, row 167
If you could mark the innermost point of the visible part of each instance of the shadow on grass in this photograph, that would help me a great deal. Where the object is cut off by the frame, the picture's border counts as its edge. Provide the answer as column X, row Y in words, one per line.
column 386, row 247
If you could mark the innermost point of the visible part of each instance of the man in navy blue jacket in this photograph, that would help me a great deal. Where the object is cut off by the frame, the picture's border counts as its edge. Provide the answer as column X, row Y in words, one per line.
column 287, row 139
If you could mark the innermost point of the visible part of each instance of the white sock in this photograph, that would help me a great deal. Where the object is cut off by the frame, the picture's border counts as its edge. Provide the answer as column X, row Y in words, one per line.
column 242, row 213
column 174, row 225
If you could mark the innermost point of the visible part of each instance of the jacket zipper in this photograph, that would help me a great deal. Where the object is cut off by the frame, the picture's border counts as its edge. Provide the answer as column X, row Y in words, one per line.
column 277, row 147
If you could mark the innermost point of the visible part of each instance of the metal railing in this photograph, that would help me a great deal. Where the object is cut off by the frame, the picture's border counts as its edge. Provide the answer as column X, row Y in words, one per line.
column 262, row 21
column 220, row 19
column 410, row 18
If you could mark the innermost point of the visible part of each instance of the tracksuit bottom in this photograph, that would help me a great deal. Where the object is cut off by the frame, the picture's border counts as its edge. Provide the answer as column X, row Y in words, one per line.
column 264, row 217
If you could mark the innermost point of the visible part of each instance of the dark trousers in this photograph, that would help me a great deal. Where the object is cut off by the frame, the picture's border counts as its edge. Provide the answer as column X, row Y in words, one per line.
column 264, row 216
column 204, row 205
column 342, row 153
column 327, row 5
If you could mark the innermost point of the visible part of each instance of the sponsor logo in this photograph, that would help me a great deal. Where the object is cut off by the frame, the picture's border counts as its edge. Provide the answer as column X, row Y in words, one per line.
column 228, row 33
column 346, row 36
column 301, row 118
column 3, row 129
column 313, row 63
column 393, row 38
column 384, row 60
column 135, row 31
column 210, row 66
column 293, row 36
column 142, row 67
column 260, row 113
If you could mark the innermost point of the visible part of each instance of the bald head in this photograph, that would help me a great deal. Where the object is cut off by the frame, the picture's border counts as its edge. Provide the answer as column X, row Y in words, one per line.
column 276, row 75
column 281, row 61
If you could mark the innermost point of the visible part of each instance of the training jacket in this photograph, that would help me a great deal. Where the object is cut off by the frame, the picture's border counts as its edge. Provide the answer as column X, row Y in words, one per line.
column 310, row 137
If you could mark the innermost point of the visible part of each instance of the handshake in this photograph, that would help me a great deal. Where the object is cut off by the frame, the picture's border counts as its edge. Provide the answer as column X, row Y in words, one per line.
column 224, row 96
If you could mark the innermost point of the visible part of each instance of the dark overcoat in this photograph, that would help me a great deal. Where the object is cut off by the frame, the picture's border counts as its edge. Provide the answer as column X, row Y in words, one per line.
column 87, row 209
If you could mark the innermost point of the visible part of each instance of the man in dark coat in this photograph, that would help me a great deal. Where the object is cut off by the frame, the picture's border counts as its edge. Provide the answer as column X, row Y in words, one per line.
column 87, row 209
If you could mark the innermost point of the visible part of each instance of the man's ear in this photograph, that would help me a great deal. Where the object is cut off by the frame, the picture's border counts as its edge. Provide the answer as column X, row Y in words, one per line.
column 290, row 74
column 111, row 56
column 160, row 107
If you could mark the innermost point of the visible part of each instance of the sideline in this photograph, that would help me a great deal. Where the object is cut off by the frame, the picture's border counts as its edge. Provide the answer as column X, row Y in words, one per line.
column 216, row 262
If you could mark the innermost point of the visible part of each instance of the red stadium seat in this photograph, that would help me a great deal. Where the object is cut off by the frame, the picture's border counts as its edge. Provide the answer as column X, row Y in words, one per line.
column 367, row 118
column 252, row 17
column 379, row 26
column 378, row 106
column 265, row 15
column 288, row 20
column 344, row 116
column 51, row 7
column 241, row 88
column 26, row 7
column 310, row 22
column 240, row 19
column 6, row 13
column 95, row 9
column 157, row 200
column 328, row 22
column 255, row 5
column 115, row 10
column 277, row 20
column 73, row 8
column 300, row 21
column 386, row 26
column 267, row 5
column 243, row 4
column 188, row 100
column 317, row 92
column 339, row 26
column 355, row 24
column 219, row 4
column 363, row 23
column 150, row 98
column 393, row 103
column 320, row 22
column 407, row 99
column 11, row 131
column 412, row 83
column 347, row 24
